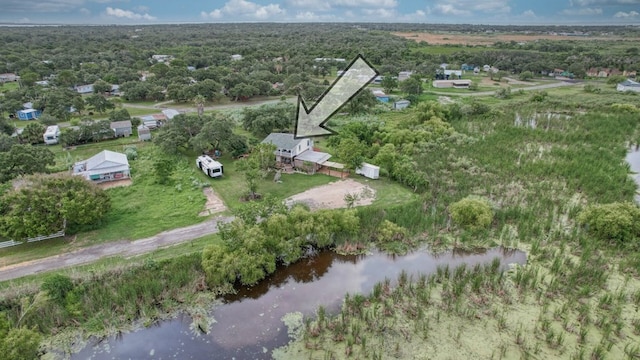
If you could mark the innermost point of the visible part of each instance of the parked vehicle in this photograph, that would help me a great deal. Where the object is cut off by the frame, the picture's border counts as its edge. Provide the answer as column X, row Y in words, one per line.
column 209, row 166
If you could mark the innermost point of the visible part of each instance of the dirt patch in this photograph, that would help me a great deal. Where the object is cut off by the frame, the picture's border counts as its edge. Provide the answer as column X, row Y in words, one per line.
column 445, row 100
column 117, row 183
column 332, row 195
column 488, row 39
column 214, row 203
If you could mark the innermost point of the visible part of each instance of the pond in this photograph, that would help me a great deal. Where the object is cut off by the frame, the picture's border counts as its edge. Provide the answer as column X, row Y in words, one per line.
column 248, row 325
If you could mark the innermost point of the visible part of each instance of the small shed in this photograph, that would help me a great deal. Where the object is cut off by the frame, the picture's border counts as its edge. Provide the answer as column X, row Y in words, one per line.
column 381, row 96
column 144, row 133
column 29, row 114
column 369, row 171
column 121, row 128
column 401, row 104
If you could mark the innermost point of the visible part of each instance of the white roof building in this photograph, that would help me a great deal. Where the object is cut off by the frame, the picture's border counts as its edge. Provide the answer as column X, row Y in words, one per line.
column 104, row 166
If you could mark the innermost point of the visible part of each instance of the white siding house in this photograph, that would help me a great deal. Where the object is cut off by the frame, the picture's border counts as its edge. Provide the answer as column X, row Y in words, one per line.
column 104, row 166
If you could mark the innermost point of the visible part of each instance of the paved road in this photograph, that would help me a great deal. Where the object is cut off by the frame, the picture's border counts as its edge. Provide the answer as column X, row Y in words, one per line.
column 491, row 93
column 121, row 248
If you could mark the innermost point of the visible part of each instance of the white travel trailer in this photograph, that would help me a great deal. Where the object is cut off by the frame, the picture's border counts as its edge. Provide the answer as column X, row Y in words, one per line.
column 369, row 171
column 51, row 135
column 209, row 166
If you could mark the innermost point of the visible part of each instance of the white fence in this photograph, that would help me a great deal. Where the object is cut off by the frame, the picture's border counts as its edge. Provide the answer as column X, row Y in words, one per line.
column 60, row 233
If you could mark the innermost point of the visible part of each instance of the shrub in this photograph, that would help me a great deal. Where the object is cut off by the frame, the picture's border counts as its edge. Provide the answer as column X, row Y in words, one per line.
column 57, row 286
column 472, row 212
column 389, row 231
column 590, row 88
column 618, row 222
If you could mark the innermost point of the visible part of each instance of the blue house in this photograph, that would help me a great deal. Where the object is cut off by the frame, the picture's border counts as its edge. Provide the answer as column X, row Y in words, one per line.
column 381, row 96
column 29, row 114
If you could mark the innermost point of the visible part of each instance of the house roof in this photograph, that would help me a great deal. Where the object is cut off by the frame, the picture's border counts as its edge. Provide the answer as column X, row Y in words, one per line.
column 313, row 156
column 170, row 113
column 120, row 124
column 27, row 111
column 106, row 159
column 281, row 140
column 630, row 83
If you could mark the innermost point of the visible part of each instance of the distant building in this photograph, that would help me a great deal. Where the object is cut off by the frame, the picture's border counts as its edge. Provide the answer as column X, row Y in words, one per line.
column 29, row 114
column 457, row 84
column 7, row 77
column 162, row 58
column 121, row 128
column 170, row 113
column 401, row 104
column 144, row 133
column 404, row 75
column 236, row 57
column 628, row 85
column 84, row 89
column 381, row 96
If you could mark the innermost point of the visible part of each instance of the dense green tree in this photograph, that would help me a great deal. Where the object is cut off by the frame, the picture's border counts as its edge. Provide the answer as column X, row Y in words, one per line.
column 32, row 133
column 99, row 103
column 214, row 134
column 412, row 85
column 29, row 78
column 100, row 87
column 351, row 152
column 23, row 160
column 526, row 76
column 6, row 142
column 362, row 103
column 119, row 115
column 389, row 83
column 263, row 120
column 42, row 204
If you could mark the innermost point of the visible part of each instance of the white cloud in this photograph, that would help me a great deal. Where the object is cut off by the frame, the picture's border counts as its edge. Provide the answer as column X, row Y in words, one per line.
column 142, row 8
column 450, row 9
column 603, row 2
column 311, row 5
column 529, row 13
column 380, row 13
column 470, row 7
column 127, row 14
column 85, row 11
column 626, row 15
column 582, row 12
column 365, row 3
column 9, row 6
column 245, row 9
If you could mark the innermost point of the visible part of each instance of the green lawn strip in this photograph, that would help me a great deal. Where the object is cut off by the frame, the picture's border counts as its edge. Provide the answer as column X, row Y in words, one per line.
column 232, row 186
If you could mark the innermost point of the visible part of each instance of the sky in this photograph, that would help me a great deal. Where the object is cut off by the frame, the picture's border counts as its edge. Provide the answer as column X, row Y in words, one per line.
column 514, row 12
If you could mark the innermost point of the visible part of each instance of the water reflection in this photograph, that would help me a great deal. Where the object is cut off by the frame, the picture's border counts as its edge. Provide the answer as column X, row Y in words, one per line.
column 249, row 326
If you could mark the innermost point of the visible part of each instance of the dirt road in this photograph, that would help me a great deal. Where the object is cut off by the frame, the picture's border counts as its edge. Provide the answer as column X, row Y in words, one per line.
column 234, row 105
column 490, row 93
column 121, row 248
